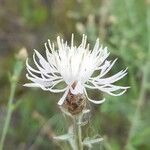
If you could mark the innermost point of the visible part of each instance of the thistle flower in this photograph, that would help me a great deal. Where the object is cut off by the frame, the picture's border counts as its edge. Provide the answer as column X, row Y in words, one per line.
column 76, row 67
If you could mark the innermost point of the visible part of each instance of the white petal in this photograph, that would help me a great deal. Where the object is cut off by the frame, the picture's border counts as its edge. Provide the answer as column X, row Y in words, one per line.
column 72, row 40
column 111, row 79
column 108, row 68
column 32, row 69
column 94, row 101
column 96, row 46
column 31, row 85
column 118, row 94
column 57, row 90
column 109, row 91
column 61, row 101
column 78, row 89
column 71, row 64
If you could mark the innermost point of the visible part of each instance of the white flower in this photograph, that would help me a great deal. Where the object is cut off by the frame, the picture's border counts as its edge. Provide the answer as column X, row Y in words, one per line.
column 76, row 66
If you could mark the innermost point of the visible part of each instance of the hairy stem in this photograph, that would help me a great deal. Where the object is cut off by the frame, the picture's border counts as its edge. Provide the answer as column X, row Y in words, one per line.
column 77, row 133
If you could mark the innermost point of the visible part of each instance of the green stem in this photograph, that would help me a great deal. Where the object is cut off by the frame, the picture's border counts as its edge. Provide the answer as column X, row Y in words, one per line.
column 77, row 133
column 8, row 117
column 13, row 81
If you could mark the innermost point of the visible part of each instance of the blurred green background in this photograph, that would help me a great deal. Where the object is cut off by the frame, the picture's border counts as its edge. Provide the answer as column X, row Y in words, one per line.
column 122, row 25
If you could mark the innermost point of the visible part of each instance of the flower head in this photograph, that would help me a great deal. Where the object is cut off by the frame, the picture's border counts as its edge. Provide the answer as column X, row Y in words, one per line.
column 76, row 66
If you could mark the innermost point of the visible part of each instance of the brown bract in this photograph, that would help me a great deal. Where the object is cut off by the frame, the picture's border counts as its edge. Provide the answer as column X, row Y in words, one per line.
column 75, row 103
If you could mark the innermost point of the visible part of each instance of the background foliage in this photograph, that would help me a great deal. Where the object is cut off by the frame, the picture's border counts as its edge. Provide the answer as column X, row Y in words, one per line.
column 122, row 25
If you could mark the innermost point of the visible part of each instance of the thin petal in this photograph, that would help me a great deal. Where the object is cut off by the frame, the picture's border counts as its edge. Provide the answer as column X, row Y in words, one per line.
column 31, row 85
column 61, row 101
column 94, row 101
column 78, row 89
